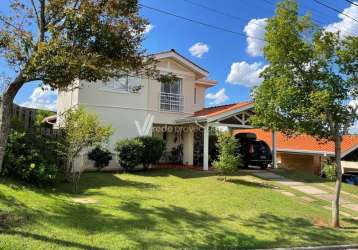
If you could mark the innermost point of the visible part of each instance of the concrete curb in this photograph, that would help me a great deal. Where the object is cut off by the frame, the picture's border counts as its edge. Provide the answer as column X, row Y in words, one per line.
column 344, row 247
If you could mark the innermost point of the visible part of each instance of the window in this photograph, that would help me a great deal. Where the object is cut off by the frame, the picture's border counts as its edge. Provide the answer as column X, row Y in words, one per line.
column 171, row 98
column 172, row 88
column 122, row 84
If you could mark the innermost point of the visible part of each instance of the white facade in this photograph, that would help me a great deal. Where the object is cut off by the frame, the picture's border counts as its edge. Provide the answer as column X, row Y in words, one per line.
column 120, row 108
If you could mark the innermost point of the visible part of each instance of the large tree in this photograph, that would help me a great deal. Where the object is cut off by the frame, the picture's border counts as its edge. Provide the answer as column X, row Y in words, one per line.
column 310, row 83
column 58, row 41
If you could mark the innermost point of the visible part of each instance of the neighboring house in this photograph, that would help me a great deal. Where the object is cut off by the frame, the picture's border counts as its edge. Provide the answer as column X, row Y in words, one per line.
column 305, row 153
column 25, row 115
column 161, row 103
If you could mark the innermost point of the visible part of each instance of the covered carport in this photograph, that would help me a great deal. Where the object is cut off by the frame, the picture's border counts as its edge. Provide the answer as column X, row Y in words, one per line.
column 232, row 116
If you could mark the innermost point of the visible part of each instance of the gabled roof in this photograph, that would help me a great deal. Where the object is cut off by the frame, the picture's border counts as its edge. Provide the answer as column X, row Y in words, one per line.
column 304, row 144
column 216, row 110
column 183, row 60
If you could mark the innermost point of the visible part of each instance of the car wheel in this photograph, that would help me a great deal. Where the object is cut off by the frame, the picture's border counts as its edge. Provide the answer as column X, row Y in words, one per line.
column 264, row 166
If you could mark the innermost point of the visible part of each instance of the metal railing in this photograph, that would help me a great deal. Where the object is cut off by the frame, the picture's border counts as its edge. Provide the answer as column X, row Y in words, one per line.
column 171, row 102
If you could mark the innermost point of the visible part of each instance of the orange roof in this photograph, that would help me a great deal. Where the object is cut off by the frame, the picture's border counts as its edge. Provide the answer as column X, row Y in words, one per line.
column 303, row 143
column 211, row 111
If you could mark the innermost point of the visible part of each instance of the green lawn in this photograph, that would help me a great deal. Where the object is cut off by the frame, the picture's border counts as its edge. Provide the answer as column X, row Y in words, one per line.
column 162, row 209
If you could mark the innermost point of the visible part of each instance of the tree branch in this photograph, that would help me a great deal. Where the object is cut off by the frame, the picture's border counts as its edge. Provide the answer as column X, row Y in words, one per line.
column 42, row 21
column 36, row 13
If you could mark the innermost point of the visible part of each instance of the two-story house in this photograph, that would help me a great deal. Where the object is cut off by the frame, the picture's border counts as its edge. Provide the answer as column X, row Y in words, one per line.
column 159, row 104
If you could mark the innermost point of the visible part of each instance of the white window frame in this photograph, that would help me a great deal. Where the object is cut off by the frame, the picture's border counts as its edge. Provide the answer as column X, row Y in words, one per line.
column 112, row 84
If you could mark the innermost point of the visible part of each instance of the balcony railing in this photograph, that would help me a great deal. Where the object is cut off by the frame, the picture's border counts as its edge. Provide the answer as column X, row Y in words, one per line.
column 171, row 102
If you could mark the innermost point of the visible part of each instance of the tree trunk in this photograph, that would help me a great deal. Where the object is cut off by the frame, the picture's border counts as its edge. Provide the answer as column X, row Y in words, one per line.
column 335, row 202
column 5, row 114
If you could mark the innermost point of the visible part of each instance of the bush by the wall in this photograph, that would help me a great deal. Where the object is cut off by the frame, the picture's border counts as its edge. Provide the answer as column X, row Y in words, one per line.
column 31, row 158
column 129, row 153
column 329, row 171
column 100, row 156
column 153, row 149
column 228, row 160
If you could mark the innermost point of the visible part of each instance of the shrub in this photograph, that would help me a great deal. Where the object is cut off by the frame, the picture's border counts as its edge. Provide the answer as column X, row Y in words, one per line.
column 329, row 171
column 100, row 156
column 130, row 153
column 31, row 158
column 228, row 160
column 81, row 130
column 153, row 148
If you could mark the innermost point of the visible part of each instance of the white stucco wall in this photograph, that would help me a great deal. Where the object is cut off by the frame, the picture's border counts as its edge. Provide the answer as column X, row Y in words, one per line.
column 122, row 109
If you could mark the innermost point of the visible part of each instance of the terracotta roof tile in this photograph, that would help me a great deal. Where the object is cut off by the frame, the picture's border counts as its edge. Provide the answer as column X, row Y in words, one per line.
column 211, row 111
column 302, row 142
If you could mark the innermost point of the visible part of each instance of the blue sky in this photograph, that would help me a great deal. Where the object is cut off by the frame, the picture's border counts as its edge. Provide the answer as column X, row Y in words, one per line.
column 231, row 59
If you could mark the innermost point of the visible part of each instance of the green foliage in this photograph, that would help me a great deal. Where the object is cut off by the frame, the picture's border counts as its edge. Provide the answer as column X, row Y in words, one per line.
column 100, row 156
column 153, row 149
column 130, row 152
column 310, row 78
column 40, row 116
column 329, row 171
column 82, row 130
column 31, row 158
column 310, row 83
column 228, row 160
column 90, row 40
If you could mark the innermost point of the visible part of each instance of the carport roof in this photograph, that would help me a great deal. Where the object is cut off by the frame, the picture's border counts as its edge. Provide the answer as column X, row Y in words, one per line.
column 215, row 110
column 217, row 114
column 303, row 144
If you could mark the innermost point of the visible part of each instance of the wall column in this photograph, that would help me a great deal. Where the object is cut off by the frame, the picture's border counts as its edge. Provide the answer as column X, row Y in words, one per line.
column 206, row 148
column 188, row 147
column 274, row 152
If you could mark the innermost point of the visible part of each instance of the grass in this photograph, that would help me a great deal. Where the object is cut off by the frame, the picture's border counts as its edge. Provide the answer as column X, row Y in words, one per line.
column 162, row 209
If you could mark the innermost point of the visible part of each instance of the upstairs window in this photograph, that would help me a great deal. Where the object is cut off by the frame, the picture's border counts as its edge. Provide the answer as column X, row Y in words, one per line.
column 122, row 84
column 172, row 88
column 171, row 98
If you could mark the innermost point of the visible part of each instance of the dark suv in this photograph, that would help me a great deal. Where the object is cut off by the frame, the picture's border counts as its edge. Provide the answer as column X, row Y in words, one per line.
column 253, row 152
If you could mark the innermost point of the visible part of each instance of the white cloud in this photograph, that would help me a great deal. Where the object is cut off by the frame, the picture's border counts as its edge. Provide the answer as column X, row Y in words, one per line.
column 243, row 73
column 217, row 98
column 347, row 25
column 199, row 49
column 255, row 29
column 148, row 28
column 42, row 99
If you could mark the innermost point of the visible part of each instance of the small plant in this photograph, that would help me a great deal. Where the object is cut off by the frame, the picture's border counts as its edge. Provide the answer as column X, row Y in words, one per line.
column 228, row 160
column 329, row 171
column 130, row 153
column 153, row 148
column 100, row 156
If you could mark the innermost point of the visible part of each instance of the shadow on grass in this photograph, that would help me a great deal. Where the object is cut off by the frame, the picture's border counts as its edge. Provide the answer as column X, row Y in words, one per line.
column 19, row 215
column 353, row 222
column 62, row 243
column 97, row 180
column 155, row 227
column 300, row 228
column 177, row 172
